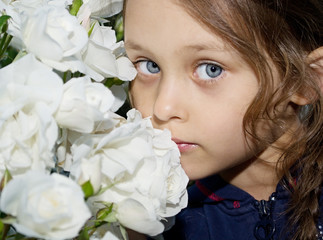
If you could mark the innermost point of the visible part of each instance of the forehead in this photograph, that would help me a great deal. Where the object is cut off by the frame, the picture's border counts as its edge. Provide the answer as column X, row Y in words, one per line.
column 164, row 22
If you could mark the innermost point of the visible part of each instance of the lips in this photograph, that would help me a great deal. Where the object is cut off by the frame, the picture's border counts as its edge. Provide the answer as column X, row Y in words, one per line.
column 184, row 146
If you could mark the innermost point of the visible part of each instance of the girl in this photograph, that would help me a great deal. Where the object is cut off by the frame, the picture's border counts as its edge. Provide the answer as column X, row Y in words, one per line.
column 239, row 83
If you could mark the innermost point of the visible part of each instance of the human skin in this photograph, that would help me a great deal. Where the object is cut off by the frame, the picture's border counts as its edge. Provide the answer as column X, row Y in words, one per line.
column 190, row 82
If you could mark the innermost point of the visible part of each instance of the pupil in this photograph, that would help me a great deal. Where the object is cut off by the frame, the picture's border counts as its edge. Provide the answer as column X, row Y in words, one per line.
column 152, row 67
column 213, row 70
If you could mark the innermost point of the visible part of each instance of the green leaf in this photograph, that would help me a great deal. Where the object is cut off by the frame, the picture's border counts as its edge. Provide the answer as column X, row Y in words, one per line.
column 106, row 214
column 87, row 189
column 1, row 227
column 111, row 217
column 91, row 29
column 4, row 23
column 75, row 7
column 102, row 213
column 8, row 57
column 113, row 81
column 119, row 28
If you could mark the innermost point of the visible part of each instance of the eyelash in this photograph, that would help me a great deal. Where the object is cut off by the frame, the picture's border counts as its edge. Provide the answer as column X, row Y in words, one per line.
column 144, row 72
column 219, row 70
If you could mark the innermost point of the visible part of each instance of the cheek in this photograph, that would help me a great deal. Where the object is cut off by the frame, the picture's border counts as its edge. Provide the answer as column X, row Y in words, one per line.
column 224, row 118
column 223, row 127
column 226, row 133
column 142, row 98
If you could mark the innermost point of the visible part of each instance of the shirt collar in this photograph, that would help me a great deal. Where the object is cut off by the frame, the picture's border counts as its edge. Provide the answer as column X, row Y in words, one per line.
column 214, row 189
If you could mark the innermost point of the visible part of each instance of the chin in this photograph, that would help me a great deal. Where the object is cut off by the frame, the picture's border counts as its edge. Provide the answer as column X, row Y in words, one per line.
column 192, row 173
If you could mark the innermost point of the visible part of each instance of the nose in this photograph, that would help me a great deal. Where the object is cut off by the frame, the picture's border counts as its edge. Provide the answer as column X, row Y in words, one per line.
column 171, row 100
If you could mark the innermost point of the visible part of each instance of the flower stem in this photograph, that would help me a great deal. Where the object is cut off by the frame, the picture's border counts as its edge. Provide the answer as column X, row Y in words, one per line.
column 5, row 231
column 64, row 77
column 3, row 40
column 8, row 41
column 4, row 43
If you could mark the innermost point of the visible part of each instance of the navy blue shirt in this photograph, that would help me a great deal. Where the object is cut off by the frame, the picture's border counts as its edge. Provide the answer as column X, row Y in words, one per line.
column 220, row 211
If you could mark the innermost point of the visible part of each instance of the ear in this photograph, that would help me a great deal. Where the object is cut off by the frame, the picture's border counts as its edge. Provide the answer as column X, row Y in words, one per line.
column 315, row 61
column 299, row 100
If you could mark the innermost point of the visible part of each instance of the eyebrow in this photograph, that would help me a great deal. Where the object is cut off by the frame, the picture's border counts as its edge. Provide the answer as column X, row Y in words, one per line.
column 197, row 47
column 206, row 46
column 133, row 45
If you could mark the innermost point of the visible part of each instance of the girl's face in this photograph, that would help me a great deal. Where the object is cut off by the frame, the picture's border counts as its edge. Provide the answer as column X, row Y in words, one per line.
column 190, row 82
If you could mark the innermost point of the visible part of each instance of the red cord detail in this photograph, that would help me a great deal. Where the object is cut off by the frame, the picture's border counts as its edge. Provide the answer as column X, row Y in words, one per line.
column 207, row 192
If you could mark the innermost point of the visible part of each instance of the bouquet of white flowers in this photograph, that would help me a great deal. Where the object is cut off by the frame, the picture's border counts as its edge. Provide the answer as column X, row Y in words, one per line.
column 70, row 167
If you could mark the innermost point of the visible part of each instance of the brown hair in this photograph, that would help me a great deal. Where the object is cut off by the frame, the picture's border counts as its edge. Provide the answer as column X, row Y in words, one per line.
column 284, row 31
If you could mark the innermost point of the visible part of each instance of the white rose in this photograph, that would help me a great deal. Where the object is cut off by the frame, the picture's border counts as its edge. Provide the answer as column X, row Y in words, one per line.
column 29, row 95
column 177, row 179
column 55, row 37
column 121, row 150
column 177, row 196
column 104, row 58
column 83, row 105
column 120, row 95
column 27, row 141
column 88, row 170
column 18, row 8
column 84, row 17
column 45, row 206
column 25, row 82
column 142, row 169
column 145, row 222
column 31, row 5
column 104, row 8
column 69, row 137
column 14, row 21
column 162, row 179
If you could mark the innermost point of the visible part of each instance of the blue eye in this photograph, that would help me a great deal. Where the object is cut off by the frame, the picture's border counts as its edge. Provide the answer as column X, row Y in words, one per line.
column 148, row 67
column 208, row 71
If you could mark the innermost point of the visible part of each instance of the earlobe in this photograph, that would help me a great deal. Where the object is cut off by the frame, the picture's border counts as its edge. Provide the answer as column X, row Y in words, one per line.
column 299, row 100
column 315, row 61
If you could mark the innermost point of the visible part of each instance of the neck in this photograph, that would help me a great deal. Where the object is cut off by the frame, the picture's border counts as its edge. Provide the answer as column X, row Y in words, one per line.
column 258, row 177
